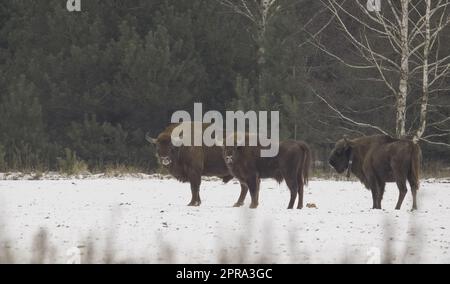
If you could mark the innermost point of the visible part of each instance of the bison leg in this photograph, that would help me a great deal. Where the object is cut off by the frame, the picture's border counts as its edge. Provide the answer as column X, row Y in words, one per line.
column 401, row 184
column 374, row 198
column 414, row 195
column 253, row 187
column 293, row 188
column 376, row 188
column 244, row 190
column 414, row 188
column 381, row 189
column 300, row 194
column 195, row 190
column 377, row 196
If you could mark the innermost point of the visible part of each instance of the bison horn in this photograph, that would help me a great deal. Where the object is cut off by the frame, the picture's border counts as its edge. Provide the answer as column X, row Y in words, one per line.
column 150, row 139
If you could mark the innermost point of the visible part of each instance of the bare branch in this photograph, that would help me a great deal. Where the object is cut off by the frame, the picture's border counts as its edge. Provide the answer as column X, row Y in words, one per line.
column 435, row 143
column 347, row 119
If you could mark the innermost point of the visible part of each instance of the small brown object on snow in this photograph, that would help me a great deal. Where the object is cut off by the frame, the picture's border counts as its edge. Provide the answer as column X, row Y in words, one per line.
column 311, row 205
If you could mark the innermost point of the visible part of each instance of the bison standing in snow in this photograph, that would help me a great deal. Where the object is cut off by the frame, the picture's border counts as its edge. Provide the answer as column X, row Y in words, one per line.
column 190, row 163
column 378, row 159
column 292, row 164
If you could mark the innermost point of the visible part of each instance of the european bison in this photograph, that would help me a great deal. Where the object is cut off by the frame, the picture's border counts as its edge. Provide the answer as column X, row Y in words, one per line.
column 378, row 159
column 292, row 164
column 190, row 163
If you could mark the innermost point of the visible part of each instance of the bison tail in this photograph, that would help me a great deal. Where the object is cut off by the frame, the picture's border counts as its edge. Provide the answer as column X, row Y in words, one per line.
column 306, row 163
column 415, row 166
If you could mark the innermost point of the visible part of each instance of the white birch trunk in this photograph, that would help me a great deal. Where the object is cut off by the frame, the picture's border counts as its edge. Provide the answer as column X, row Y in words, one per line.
column 404, row 71
column 425, row 83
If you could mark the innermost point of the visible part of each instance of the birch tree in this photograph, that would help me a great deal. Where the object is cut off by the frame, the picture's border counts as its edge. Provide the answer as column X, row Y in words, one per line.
column 411, row 32
column 435, row 66
column 259, row 13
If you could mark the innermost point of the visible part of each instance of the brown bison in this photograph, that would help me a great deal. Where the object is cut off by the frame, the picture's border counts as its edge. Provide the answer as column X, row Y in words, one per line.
column 378, row 159
column 291, row 164
column 190, row 163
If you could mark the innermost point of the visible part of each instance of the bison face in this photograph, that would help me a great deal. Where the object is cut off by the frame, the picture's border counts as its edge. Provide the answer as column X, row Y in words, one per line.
column 340, row 156
column 231, row 154
column 228, row 154
column 165, row 152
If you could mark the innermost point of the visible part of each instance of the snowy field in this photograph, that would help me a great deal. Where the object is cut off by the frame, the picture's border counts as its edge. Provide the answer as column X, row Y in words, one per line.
column 147, row 220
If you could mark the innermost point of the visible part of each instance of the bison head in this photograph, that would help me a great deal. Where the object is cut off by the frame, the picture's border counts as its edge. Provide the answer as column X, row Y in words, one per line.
column 340, row 156
column 165, row 150
column 231, row 153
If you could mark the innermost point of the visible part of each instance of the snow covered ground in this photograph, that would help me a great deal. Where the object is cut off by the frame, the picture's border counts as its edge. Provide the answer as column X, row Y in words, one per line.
column 147, row 220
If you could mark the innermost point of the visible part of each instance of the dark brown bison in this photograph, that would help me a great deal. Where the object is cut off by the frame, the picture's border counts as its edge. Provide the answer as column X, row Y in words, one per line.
column 292, row 164
column 378, row 159
column 190, row 163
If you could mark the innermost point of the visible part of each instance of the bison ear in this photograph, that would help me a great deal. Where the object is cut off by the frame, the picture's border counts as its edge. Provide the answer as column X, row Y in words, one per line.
column 348, row 142
column 150, row 139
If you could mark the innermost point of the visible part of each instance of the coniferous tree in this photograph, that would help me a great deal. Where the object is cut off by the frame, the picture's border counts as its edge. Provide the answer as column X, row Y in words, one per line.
column 22, row 132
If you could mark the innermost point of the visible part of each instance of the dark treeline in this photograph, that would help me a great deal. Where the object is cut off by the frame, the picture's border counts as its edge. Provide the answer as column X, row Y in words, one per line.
column 87, row 86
